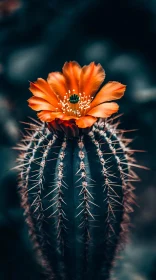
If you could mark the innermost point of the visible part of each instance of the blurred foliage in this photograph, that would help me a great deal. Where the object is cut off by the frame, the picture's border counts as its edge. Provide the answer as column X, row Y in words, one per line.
column 37, row 37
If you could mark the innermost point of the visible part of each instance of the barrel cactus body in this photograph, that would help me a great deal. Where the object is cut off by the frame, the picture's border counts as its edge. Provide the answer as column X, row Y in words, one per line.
column 77, row 195
column 75, row 178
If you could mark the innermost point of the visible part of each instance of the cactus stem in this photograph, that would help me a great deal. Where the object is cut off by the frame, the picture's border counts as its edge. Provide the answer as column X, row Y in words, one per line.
column 107, row 187
column 77, row 196
column 29, row 156
column 126, row 177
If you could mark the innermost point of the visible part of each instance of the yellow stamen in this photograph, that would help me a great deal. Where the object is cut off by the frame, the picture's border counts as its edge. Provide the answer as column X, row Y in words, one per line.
column 78, row 109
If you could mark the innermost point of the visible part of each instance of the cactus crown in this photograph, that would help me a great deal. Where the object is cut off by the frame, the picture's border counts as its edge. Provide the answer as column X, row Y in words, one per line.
column 75, row 174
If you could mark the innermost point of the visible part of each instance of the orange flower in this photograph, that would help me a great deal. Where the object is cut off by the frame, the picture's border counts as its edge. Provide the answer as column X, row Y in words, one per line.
column 71, row 95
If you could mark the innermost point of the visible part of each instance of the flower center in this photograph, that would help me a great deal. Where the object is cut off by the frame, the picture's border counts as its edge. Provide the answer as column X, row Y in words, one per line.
column 75, row 105
column 74, row 98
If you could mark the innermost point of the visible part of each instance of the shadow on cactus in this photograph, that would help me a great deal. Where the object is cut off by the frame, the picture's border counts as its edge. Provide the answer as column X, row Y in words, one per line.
column 76, row 174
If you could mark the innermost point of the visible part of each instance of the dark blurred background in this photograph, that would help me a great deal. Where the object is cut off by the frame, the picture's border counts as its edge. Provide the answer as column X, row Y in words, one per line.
column 37, row 37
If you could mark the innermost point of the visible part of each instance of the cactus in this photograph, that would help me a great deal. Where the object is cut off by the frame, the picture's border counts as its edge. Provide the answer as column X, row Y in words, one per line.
column 76, row 192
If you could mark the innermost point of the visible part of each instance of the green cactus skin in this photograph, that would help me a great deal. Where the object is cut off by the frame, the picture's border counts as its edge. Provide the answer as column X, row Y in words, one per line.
column 77, row 196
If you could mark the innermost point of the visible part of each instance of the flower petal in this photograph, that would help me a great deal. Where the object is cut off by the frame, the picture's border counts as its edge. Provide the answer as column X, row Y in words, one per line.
column 91, row 78
column 104, row 110
column 42, row 89
column 71, row 71
column 66, row 118
column 48, row 116
column 39, row 104
column 58, row 83
column 110, row 91
column 85, row 121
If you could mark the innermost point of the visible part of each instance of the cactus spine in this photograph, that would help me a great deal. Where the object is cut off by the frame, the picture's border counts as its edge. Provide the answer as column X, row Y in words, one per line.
column 77, row 196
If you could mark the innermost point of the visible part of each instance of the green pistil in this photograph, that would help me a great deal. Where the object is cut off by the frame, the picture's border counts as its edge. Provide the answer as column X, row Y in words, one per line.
column 74, row 98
